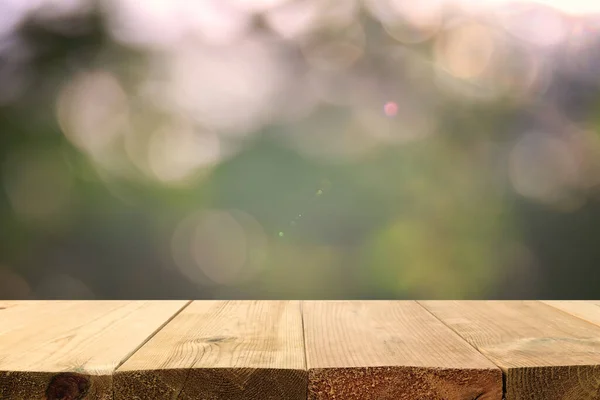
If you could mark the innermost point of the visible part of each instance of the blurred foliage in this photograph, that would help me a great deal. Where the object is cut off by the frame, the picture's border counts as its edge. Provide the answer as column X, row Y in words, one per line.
column 298, row 149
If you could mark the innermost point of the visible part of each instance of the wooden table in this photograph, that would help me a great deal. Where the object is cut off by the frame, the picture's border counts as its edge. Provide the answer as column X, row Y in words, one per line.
column 321, row 350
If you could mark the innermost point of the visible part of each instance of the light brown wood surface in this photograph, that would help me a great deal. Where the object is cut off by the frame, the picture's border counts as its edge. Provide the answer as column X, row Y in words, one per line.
column 324, row 350
column 384, row 350
column 221, row 350
column 545, row 353
column 587, row 310
column 67, row 350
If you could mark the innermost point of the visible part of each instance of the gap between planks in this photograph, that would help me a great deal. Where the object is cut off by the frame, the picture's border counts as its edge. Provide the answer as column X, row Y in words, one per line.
column 470, row 344
column 74, row 347
column 152, row 335
column 587, row 310
column 545, row 353
column 466, row 341
column 146, row 341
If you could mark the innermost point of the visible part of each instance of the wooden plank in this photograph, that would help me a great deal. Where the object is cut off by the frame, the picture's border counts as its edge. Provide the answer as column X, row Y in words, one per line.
column 221, row 350
column 6, row 304
column 391, row 350
column 68, row 350
column 545, row 353
column 587, row 310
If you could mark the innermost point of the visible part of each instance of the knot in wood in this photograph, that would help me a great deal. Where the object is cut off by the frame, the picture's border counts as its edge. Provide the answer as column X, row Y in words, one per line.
column 67, row 386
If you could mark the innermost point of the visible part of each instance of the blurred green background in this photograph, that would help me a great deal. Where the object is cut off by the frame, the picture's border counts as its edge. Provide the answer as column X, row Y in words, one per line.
column 299, row 149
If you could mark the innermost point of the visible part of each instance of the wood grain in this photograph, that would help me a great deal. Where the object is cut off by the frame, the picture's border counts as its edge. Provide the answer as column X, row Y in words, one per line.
column 68, row 350
column 391, row 350
column 221, row 350
column 545, row 353
column 587, row 310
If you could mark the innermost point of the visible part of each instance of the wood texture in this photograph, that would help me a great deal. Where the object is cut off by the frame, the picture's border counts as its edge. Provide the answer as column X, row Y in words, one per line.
column 587, row 310
column 545, row 353
column 397, row 350
column 401, row 350
column 67, row 350
column 221, row 350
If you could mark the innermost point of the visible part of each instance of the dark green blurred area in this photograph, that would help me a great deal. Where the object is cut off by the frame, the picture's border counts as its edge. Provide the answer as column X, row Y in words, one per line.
column 415, row 173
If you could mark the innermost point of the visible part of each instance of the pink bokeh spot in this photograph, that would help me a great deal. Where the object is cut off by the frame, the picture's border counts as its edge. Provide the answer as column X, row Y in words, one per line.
column 390, row 108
